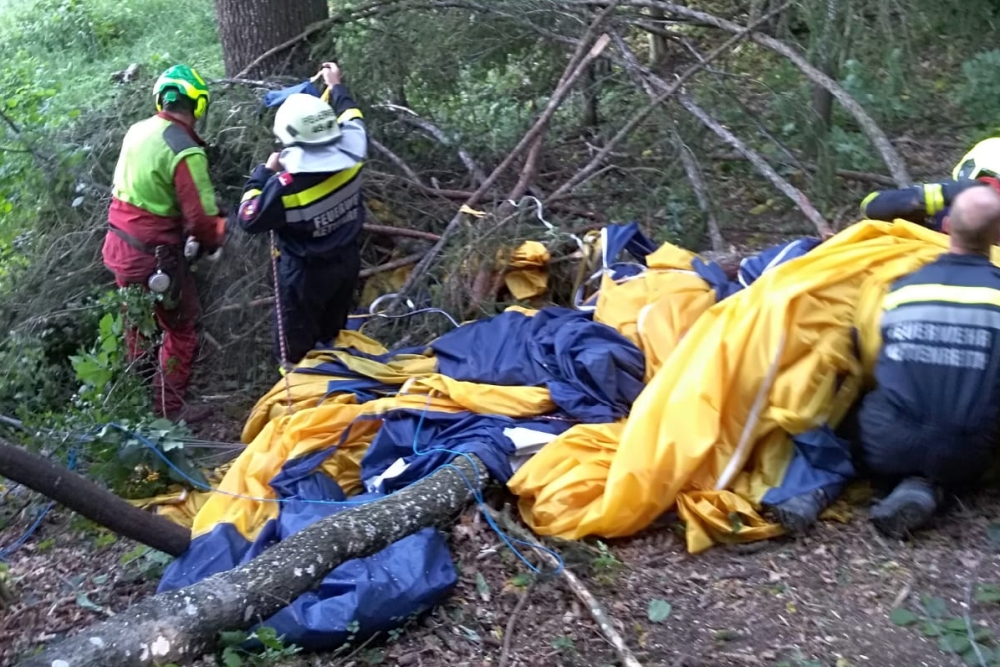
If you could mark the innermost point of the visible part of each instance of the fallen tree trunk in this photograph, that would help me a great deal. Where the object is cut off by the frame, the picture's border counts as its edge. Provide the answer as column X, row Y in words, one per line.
column 181, row 625
column 90, row 500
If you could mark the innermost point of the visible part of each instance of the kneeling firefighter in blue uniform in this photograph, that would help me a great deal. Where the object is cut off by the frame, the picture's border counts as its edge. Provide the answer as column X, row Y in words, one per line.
column 310, row 196
column 932, row 423
column 927, row 204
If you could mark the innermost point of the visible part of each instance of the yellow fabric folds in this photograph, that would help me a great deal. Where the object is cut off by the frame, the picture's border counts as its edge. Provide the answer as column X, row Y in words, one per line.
column 710, row 432
column 654, row 310
column 526, row 276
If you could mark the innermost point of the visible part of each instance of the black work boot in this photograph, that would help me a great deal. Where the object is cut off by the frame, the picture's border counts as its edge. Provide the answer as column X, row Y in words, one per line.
column 799, row 513
column 910, row 505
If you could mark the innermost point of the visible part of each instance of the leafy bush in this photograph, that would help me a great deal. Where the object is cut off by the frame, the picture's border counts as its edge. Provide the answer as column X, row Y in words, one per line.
column 980, row 91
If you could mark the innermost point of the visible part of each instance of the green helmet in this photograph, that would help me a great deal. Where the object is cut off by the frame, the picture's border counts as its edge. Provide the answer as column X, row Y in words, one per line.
column 185, row 81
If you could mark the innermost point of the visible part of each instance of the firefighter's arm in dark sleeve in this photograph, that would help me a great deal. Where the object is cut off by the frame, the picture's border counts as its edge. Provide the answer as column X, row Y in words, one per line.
column 353, row 134
column 261, row 207
column 915, row 203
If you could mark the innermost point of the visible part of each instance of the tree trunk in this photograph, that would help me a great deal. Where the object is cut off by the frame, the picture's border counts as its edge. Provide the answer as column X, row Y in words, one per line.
column 657, row 43
column 87, row 499
column 248, row 28
column 181, row 625
column 822, row 98
column 591, row 99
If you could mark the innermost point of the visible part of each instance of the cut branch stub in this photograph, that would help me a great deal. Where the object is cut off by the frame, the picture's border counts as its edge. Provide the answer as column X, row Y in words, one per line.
column 181, row 625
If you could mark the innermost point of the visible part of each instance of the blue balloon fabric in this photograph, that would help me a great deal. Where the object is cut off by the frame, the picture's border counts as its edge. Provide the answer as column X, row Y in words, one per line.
column 593, row 373
column 274, row 98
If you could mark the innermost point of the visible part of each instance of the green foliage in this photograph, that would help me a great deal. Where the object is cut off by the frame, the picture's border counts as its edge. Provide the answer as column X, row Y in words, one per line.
column 955, row 635
column 143, row 562
column 258, row 649
column 980, row 89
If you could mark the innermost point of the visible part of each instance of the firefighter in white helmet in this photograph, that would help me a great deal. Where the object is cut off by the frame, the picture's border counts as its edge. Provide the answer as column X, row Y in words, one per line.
column 309, row 194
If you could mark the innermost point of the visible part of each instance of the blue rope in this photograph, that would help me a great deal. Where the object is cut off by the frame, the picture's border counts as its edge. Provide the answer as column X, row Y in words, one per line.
column 476, row 491
column 6, row 552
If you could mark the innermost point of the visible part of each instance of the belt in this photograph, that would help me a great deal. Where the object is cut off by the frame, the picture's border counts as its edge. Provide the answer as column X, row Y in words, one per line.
column 132, row 241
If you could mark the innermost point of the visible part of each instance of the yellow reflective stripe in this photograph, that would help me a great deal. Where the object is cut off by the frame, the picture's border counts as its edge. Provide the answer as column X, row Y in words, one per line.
column 320, row 190
column 250, row 194
column 933, row 198
column 350, row 114
column 946, row 293
column 868, row 200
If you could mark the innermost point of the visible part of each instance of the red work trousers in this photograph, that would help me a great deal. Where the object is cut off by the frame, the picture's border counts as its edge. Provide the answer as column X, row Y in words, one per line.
column 180, row 345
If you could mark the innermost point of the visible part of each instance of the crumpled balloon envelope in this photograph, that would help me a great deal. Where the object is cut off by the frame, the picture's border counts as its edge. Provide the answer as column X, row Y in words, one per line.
column 527, row 277
column 694, row 438
column 655, row 309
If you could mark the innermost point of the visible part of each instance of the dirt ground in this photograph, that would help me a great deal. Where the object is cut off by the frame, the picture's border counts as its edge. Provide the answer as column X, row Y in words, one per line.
column 821, row 600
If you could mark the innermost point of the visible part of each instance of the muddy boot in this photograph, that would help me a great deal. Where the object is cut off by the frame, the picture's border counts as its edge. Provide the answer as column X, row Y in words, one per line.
column 798, row 514
column 910, row 505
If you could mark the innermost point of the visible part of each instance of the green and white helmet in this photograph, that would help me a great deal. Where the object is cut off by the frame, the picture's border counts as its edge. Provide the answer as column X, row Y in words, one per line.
column 184, row 81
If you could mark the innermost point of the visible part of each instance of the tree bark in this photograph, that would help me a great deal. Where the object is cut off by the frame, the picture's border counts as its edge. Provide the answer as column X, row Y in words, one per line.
column 180, row 625
column 248, row 28
column 88, row 499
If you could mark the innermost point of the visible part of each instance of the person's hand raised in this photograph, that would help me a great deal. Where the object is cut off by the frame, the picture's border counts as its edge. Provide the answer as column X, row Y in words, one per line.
column 331, row 74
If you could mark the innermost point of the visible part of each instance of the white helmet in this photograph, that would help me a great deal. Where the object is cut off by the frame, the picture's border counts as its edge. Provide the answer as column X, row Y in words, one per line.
column 305, row 120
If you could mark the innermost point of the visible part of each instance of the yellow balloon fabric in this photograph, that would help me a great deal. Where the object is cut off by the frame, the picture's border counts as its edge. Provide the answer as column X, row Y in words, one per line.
column 710, row 434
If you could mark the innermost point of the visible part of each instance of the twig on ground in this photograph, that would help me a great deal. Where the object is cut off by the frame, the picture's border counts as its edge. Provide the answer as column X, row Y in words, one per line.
column 585, row 596
column 388, row 230
column 508, row 632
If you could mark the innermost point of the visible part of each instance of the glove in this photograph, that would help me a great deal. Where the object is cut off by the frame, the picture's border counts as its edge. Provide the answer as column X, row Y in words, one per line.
column 191, row 248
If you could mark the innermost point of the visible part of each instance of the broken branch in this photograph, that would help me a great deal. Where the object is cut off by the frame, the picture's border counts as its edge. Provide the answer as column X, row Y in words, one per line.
column 179, row 625
column 701, row 194
column 650, row 80
column 879, row 140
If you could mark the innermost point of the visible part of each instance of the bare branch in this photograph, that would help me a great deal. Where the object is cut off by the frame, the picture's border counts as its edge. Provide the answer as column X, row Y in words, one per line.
column 888, row 153
column 638, row 118
column 396, row 160
column 701, row 194
column 554, row 102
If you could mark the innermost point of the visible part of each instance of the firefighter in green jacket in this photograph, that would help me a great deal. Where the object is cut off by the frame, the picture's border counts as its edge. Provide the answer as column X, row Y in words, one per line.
column 162, row 196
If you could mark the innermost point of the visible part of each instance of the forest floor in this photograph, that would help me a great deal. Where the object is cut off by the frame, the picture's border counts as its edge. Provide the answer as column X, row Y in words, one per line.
column 825, row 599
column 820, row 600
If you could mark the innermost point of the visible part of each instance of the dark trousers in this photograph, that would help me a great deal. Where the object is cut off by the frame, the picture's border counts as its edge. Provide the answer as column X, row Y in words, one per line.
column 316, row 297
column 894, row 446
